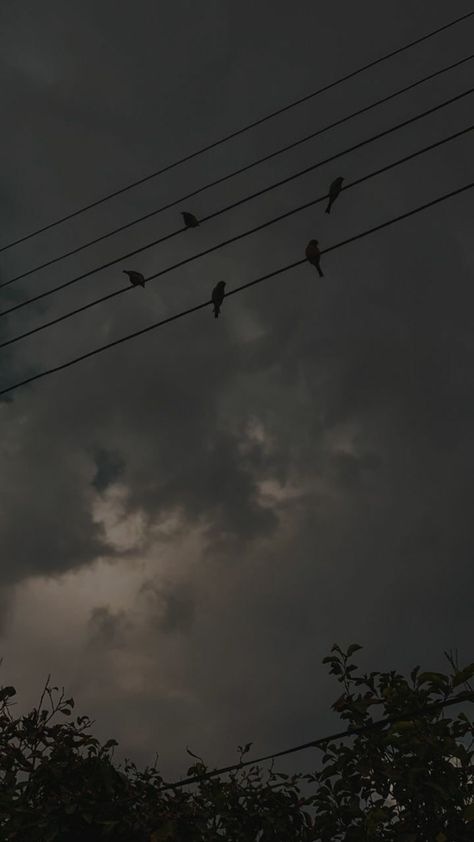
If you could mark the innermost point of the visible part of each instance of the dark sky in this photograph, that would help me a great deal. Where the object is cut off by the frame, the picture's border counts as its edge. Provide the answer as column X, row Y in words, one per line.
column 189, row 522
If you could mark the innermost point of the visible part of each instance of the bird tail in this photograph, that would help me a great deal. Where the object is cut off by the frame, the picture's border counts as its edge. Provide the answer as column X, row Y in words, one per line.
column 328, row 209
column 216, row 311
column 320, row 272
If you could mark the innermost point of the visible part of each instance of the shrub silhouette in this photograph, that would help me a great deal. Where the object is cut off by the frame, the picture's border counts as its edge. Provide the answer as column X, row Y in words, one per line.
column 406, row 780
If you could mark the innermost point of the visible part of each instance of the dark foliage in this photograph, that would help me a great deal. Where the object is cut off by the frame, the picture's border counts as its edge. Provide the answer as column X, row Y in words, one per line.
column 408, row 780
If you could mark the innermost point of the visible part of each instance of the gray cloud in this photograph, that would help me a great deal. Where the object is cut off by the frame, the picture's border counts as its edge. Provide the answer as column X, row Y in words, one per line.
column 296, row 473
column 109, row 467
column 172, row 606
column 107, row 628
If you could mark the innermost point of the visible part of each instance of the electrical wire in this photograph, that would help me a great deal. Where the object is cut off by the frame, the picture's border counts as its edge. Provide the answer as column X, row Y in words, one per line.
column 234, row 173
column 238, row 132
column 227, row 208
column 201, row 306
column 322, row 742
column 241, row 236
column 244, row 234
column 233, row 239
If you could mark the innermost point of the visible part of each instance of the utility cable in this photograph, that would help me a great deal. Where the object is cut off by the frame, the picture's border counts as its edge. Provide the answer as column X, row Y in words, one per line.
column 234, row 173
column 240, row 131
column 233, row 205
column 322, row 742
column 197, row 307
column 233, row 239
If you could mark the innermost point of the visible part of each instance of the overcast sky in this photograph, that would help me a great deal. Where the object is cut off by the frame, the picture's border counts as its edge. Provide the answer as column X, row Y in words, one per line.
column 189, row 521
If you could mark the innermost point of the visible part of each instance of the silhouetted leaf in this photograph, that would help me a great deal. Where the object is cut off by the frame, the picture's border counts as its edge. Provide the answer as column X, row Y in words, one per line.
column 435, row 678
column 464, row 675
column 7, row 693
column 196, row 756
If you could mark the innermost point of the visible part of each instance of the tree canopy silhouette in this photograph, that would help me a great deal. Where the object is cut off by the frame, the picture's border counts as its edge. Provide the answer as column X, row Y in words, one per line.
column 407, row 779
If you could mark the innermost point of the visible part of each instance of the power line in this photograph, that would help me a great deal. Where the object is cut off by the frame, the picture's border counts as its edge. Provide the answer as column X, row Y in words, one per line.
column 233, row 205
column 322, row 742
column 236, row 172
column 238, row 132
column 233, row 239
column 197, row 307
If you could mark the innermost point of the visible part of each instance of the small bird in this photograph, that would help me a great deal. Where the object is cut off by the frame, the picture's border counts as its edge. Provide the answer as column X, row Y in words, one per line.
column 136, row 278
column 314, row 255
column 218, row 294
column 190, row 220
column 334, row 190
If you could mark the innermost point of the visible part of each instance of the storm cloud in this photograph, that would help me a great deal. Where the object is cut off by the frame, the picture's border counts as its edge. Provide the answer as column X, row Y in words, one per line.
column 189, row 521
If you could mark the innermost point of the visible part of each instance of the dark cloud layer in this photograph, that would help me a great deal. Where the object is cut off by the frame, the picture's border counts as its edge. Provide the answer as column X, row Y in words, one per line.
column 295, row 473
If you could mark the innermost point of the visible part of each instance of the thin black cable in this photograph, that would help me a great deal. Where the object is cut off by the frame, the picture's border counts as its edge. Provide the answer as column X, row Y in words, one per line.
column 227, row 208
column 197, row 307
column 236, row 237
column 234, row 173
column 322, row 742
column 240, row 131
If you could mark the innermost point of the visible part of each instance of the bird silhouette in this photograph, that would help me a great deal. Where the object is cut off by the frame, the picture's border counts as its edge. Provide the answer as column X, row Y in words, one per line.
column 218, row 294
column 135, row 278
column 314, row 255
column 190, row 220
column 334, row 190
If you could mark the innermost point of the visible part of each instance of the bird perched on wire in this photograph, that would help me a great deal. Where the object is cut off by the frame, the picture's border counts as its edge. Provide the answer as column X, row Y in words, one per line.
column 135, row 278
column 218, row 294
column 314, row 255
column 334, row 190
column 190, row 220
